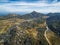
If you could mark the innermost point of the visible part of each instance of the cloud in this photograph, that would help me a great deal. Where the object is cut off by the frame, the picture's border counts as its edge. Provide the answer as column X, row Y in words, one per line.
column 29, row 7
column 4, row 0
column 47, row 1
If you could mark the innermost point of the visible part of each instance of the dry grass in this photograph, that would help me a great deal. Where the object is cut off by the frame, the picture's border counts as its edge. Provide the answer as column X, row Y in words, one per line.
column 6, row 24
column 53, row 38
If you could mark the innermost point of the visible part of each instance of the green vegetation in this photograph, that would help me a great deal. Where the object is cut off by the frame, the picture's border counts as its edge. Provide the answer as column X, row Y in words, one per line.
column 27, row 29
column 26, row 32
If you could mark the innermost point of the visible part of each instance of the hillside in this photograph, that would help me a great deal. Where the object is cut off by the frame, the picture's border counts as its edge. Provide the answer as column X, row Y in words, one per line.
column 52, row 34
column 54, row 24
column 29, row 29
column 33, row 14
column 29, row 32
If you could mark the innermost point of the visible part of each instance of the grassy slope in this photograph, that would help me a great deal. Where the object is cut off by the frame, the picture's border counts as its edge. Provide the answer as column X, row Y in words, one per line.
column 53, row 38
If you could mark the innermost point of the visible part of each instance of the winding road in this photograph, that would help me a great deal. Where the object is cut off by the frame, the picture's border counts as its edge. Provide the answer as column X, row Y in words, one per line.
column 45, row 34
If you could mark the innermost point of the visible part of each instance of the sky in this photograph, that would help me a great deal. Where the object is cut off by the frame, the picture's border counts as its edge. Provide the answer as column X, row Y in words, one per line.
column 26, row 6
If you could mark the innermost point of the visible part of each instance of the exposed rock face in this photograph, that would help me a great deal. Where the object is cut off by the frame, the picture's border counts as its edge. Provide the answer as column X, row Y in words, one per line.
column 12, row 37
column 16, row 36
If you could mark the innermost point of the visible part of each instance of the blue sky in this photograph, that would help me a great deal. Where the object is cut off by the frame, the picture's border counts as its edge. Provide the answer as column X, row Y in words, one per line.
column 42, row 6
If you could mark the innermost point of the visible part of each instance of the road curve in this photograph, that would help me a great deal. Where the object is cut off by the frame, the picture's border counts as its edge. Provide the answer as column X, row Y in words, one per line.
column 46, row 37
column 45, row 34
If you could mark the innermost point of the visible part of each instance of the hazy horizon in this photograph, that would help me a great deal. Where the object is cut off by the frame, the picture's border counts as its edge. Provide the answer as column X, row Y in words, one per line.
column 27, row 6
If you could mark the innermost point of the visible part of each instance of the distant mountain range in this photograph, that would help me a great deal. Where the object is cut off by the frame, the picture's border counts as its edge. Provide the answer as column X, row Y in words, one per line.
column 53, row 14
column 33, row 14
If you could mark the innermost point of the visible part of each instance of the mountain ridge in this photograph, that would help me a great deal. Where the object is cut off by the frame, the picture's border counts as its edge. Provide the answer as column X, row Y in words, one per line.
column 33, row 14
